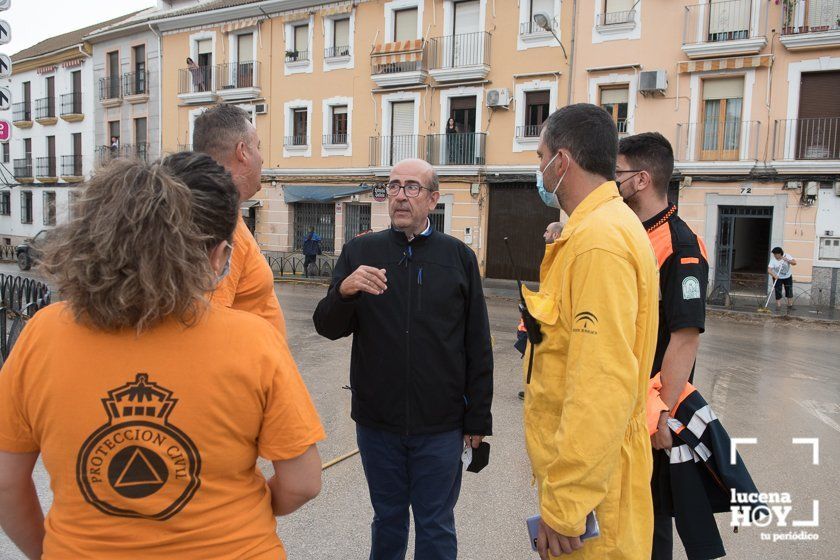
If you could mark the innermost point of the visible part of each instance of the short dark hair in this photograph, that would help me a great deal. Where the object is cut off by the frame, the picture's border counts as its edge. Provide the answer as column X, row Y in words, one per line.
column 651, row 152
column 590, row 135
column 218, row 130
column 778, row 251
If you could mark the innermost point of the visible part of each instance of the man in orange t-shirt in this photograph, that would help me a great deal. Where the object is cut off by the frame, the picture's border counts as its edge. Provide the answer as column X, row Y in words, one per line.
column 227, row 135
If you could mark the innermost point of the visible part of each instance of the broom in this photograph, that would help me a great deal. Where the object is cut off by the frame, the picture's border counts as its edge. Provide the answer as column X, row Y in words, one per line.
column 767, row 302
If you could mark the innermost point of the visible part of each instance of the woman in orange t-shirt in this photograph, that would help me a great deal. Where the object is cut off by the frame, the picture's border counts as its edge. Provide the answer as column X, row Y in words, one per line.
column 148, row 404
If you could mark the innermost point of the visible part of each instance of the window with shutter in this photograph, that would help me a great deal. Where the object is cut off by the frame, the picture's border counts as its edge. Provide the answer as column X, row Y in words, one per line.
column 301, row 38
column 614, row 102
column 405, row 24
column 403, row 139
column 341, row 34
column 721, row 126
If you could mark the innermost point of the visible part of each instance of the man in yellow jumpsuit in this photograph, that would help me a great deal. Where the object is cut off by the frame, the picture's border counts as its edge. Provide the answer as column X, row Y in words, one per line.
column 597, row 309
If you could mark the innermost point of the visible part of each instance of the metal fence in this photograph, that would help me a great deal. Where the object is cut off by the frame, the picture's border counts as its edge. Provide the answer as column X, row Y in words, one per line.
column 8, row 253
column 456, row 149
column 616, row 18
column 290, row 264
column 807, row 139
column 195, row 80
column 135, row 83
column 459, row 51
column 21, row 111
column 820, row 16
column 335, row 139
column 46, row 167
column 238, row 75
column 531, row 27
column 717, row 141
column 295, row 140
column 297, row 56
column 45, row 108
column 22, row 168
column 109, row 88
column 714, row 22
column 335, row 52
column 20, row 299
column 71, row 103
column 528, row 131
column 71, row 166
column 390, row 150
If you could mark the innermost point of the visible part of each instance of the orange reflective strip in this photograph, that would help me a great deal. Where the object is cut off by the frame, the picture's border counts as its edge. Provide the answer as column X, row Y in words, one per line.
column 689, row 260
column 660, row 238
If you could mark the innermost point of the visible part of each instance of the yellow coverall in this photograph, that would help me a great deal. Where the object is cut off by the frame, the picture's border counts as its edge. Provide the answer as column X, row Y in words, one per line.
column 585, row 426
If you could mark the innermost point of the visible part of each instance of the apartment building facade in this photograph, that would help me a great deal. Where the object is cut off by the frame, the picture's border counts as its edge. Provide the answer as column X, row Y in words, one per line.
column 746, row 91
column 341, row 91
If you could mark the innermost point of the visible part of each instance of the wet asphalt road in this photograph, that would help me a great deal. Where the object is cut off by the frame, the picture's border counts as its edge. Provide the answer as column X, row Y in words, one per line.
column 771, row 381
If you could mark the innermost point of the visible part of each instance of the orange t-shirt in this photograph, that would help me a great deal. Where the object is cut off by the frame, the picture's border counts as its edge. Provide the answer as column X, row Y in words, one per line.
column 249, row 286
column 151, row 441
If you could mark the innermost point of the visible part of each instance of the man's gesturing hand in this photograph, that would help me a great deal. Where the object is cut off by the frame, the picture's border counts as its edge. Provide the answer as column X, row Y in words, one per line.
column 365, row 279
column 549, row 540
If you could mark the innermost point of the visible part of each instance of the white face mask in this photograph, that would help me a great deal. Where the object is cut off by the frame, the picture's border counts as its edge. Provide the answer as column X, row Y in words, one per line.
column 550, row 198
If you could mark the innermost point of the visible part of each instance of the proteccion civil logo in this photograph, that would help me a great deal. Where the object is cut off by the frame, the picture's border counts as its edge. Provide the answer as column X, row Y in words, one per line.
column 138, row 464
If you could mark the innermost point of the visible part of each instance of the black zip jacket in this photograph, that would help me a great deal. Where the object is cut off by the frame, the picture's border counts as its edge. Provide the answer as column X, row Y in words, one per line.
column 422, row 361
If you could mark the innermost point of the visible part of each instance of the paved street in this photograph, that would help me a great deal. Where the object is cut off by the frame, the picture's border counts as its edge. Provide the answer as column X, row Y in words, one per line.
column 769, row 381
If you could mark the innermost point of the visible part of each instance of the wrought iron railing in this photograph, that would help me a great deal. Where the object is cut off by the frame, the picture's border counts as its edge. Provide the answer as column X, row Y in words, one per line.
column 237, row 75
column 105, row 154
column 71, row 166
column 196, row 80
column 295, row 140
column 531, row 27
column 338, row 51
column 20, row 298
column 297, row 56
column 335, row 139
column 528, row 131
column 807, row 139
column 616, row 18
column 456, row 149
column 21, row 111
column 45, row 108
column 458, row 51
column 109, row 88
column 730, row 20
column 286, row 264
column 718, row 141
column 135, row 83
column 45, row 167
column 819, row 16
column 390, row 150
column 71, row 103
column 23, row 168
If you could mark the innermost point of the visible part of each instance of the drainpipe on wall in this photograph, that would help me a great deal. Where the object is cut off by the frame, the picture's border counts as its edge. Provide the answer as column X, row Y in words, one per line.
column 572, row 57
column 160, row 90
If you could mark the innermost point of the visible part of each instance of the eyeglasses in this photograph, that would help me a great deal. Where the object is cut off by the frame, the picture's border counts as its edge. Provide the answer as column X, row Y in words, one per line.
column 617, row 171
column 411, row 189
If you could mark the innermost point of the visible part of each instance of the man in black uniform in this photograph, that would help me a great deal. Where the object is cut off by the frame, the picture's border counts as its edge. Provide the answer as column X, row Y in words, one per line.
column 421, row 367
column 644, row 167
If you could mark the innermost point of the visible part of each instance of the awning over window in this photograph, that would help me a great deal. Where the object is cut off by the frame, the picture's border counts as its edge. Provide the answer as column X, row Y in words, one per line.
column 319, row 193
column 246, row 206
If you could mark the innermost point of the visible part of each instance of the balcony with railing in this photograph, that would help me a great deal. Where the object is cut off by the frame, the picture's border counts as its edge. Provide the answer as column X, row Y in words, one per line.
column 335, row 139
column 22, row 114
column 615, row 22
column 731, row 27
column 717, row 142
column 45, row 111
column 531, row 29
column 460, row 57
column 106, row 154
column 238, row 80
column 46, row 169
column 71, row 107
column 110, row 92
column 812, row 139
column 808, row 24
column 197, row 84
column 295, row 141
column 71, row 168
column 293, row 57
column 135, row 86
column 23, row 170
column 528, row 131
column 386, row 151
column 337, row 52
column 399, row 64
column 466, row 148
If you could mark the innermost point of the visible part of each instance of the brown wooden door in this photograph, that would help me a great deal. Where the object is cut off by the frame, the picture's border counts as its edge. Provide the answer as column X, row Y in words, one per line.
column 516, row 212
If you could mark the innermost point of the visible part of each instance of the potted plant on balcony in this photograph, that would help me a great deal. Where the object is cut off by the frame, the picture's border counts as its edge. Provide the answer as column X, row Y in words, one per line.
column 291, row 56
column 789, row 8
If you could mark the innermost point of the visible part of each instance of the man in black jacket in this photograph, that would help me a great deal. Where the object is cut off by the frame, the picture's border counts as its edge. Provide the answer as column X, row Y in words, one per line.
column 421, row 368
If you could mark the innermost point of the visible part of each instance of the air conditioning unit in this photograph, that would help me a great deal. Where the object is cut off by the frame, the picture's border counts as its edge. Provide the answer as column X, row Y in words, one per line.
column 653, row 81
column 261, row 108
column 498, row 97
column 792, row 185
column 837, row 188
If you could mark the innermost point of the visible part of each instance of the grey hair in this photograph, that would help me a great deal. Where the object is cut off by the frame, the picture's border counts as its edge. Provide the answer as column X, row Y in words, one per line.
column 217, row 131
column 434, row 181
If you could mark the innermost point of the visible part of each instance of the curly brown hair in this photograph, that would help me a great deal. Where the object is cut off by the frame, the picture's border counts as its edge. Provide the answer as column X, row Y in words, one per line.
column 136, row 251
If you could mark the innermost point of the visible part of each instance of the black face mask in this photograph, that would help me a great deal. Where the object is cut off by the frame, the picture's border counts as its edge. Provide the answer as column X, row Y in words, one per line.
column 619, row 183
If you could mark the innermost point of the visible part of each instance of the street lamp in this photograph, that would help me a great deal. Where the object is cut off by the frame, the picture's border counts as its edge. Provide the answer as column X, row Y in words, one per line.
column 544, row 22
